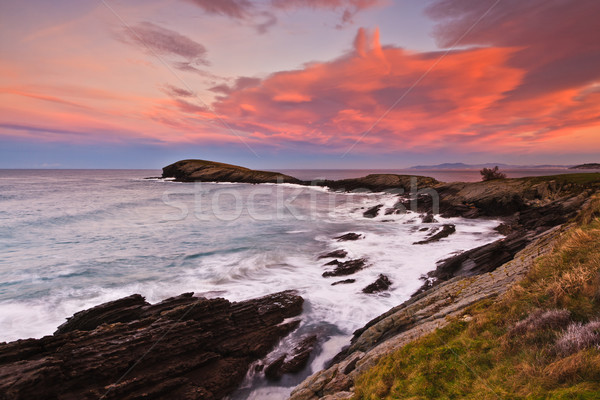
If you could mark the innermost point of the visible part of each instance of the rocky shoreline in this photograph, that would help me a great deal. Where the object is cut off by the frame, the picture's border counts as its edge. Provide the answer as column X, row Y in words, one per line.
column 204, row 348
column 184, row 347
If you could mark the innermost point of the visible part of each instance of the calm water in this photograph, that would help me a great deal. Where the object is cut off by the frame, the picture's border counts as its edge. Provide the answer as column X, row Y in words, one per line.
column 73, row 239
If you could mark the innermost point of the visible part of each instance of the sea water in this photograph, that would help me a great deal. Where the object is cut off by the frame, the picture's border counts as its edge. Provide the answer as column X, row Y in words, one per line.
column 70, row 240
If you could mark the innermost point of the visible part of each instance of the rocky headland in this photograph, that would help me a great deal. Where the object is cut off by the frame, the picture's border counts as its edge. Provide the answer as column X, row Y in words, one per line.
column 587, row 166
column 210, row 171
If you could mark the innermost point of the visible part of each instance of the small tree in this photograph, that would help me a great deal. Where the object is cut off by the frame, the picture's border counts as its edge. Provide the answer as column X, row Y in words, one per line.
column 487, row 174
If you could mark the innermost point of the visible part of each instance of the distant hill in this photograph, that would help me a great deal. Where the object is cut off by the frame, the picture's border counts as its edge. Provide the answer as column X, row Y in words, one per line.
column 587, row 166
column 487, row 165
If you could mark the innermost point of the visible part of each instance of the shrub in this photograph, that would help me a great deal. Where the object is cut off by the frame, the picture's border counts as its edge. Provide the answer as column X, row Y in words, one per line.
column 540, row 319
column 578, row 337
column 488, row 174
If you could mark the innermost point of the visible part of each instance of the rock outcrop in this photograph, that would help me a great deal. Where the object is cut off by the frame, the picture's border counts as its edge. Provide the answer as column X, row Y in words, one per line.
column 447, row 230
column 381, row 182
column 182, row 348
column 382, row 283
column 587, row 166
column 210, row 171
column 346, row 268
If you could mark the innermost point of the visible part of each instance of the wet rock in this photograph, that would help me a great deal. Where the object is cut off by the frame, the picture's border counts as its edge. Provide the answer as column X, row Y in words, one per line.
column 293, row 362
column 446, row 231
column 182, row 348
column 382, row 283
column 428, row 218
column 504, row 229
column 333, row 262
column 344, row 282
column 423, row 229
column 349, row 236
column 347, row 268
column 373, row 211
column 335, row 254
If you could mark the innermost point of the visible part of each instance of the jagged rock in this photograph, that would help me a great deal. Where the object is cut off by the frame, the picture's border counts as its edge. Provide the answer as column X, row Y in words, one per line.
column 446, row 231
column 293, row 362
column 181, row 348
column 382, row 283
column 333, row 262
column 349, row 236
column 335, row 254
column 373, row 211
column 344, row 282
column 347, row 268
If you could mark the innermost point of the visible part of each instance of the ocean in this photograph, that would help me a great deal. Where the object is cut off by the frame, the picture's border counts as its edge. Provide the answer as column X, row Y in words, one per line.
column 72, row 239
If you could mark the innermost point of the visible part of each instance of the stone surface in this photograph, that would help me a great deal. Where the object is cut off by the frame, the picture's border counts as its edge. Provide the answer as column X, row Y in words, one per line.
column 382, row 283
column 344, row 282
column 346, row 268
column 447, row 230
column 181, row 348
column 349, row 236
column 335, row 254
column 294, row 361
column 373, row 211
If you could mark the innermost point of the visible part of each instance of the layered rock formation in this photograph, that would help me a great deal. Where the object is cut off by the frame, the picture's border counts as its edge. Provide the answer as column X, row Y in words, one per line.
column 182, row 348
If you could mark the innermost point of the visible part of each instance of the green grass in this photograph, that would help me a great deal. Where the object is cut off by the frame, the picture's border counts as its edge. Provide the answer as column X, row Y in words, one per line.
column 484, row 359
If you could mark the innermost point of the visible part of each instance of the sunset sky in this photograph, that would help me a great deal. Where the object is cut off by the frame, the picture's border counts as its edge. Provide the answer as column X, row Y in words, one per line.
column 298, row 83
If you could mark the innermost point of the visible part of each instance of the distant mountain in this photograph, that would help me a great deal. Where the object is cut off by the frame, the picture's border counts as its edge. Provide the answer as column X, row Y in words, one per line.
column 487, row 165
column 587, row 166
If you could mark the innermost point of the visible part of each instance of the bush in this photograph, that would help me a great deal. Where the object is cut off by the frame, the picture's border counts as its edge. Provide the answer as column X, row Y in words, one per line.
column 578, row 336
column 540, row 320
column 488, row 174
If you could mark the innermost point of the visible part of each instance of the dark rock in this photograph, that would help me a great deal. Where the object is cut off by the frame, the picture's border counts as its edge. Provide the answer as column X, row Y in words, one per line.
column 347, row 268
column 423, row 229
column 181, row 348
column 123, row 310
column 428, row 218
column 382, row 283
column 293, row 362
column 504, row 229
column 380, row 182
column 345, row 281
column 349, row 236
column 446, row 231
column 373, row 211
column 333, row 262
column 335, row 254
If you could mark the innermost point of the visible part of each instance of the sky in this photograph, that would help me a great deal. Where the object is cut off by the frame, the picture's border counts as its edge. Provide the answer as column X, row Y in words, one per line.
column 298, row 83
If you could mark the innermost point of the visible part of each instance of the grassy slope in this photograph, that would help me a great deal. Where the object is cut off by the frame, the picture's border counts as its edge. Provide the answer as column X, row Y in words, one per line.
column 487, row 354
